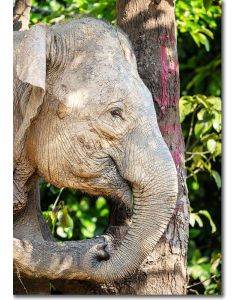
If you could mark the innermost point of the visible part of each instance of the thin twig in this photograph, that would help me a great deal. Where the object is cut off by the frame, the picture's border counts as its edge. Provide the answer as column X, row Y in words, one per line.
column 19, row 278
column 194, row 291
column 189, row 158
column 200, row 282
column 198, row 153
column 191, row 127
column 56, row 201
column 194, row 172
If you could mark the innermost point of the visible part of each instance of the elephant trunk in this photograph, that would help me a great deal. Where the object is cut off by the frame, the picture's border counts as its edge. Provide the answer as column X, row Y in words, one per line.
column 153, row 177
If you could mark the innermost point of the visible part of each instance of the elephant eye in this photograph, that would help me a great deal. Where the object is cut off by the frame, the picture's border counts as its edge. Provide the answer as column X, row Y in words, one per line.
column 117, row 113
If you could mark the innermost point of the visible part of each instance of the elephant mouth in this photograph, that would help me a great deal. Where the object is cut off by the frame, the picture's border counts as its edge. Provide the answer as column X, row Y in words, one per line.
column 110, row 184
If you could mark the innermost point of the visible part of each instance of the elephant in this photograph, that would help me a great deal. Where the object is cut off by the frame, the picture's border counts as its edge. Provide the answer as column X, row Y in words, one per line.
column 84, row 119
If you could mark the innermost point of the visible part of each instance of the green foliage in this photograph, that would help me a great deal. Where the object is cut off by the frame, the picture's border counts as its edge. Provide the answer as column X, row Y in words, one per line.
column 199, row 49
column 203, row 136
column 53, row 11
column 73, row 215
column 204, row 270
column 76, row 216
column 197, row 21
column 201, row 123
column 199, row 46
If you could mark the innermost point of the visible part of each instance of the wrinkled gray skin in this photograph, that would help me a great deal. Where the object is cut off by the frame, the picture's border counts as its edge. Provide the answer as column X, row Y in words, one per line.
column 84, row 119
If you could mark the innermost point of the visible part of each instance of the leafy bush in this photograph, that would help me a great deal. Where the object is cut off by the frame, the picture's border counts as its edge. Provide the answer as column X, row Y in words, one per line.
column 72, row 215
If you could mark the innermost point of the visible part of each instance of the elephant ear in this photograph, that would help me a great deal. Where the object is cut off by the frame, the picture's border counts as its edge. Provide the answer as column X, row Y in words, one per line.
column 30, row 68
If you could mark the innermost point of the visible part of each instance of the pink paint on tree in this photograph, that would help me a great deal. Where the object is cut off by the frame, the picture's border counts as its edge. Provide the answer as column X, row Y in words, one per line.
column 164, row 72
column 169, row 128
column 176, row 156
column 170, row 67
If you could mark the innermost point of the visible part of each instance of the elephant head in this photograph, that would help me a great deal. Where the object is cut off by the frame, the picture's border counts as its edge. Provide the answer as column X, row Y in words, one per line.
column 90, row 124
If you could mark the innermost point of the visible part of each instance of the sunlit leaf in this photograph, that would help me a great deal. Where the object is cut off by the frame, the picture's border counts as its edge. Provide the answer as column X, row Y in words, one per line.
column 202, row 127
column 215, row 102
column 64, row 218
column 211, row 145
column 87, row 233
column 208, row 216
column 186, row 106
column 192, row 220
column 195, row 217
column 104, row 212
column 203, row 259
column 100, row 203
column 84, row 204
column 218, row 150
column 60, row 232
column 89, row 224
column 217, row 178
column 215, row 262
column 217, row 122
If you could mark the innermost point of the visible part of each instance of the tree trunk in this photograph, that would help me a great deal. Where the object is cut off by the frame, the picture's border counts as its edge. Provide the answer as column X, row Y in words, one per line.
column 151, row 28
column 21, row 14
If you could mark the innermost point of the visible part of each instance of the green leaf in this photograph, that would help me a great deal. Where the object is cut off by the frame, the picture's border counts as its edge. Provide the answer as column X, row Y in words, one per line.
column 203, row 259
column 216, row 260
column 211, row 145
column 218, row 150
column 198, row 220
column 204, row 40
column 208, row 216
column 87, row 233
column 217, row 122
column 195, row 217
column 104, row 212
column 186, row 106
column 217, row 178
column 60, row 232
column 207, row 3
column 207, row 32
column 215, row 102
column 201, row 114
column 84, row 204
column 201, row 127
column 64, row 218
column 89, row 224
column 192, row 220
column 202, row 99
column 100, row 203
column 195, row 38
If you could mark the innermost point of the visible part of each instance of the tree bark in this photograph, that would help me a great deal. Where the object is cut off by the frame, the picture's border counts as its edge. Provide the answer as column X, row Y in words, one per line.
column 151, row 28
column 21, row 14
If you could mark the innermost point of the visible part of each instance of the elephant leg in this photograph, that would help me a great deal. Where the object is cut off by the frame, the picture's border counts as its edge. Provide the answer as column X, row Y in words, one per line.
column 30, row 222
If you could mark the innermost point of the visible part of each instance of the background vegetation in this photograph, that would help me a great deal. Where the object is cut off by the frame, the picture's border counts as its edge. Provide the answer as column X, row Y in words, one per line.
column 72, row 215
